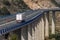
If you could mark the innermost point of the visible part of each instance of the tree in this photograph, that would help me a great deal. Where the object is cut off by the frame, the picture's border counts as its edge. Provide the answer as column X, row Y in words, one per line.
column 6, row 3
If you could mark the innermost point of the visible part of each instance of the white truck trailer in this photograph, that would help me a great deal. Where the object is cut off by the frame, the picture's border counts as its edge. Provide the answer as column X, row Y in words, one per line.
column 20, row 17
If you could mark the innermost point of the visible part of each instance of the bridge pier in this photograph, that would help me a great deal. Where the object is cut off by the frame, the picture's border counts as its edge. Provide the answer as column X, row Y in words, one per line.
column 24, row 33
column 42, row 27
column 53, row 25
column 33, row 31
column 47, row 26
column 29, row 31
column 40, row 30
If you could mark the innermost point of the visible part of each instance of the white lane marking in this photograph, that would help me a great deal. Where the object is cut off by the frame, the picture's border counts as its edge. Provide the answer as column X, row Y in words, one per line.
column 32, row 14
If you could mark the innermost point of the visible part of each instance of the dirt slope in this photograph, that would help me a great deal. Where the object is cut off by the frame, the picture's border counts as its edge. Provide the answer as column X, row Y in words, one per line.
column 39, row 4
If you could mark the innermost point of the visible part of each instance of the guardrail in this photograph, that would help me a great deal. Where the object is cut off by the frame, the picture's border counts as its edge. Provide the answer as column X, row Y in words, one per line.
column 41, row 12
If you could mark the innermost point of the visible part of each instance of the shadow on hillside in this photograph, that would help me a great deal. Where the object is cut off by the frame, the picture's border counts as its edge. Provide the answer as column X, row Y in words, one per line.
column 22, row 5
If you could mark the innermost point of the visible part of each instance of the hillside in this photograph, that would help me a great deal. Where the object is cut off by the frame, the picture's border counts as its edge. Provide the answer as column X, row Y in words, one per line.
column 14, row 6
column 39, row 4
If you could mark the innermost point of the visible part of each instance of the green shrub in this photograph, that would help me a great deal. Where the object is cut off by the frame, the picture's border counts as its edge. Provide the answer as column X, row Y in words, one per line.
column 14, row 37
column 52, row 36
column 57, row 36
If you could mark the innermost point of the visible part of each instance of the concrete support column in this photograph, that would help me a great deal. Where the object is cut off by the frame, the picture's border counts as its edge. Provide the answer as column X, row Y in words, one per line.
column 53, row 25
column 33, row 31
column 46, row 26
column 42, row 27
column 36, row 30
column 40, row 30
column 30, row 32
column 24, row 34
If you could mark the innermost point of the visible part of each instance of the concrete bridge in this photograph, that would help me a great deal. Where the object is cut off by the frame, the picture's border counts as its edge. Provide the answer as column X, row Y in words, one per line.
column 39, row 25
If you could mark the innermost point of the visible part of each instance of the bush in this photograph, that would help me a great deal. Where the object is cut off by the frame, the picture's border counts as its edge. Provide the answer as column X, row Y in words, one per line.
column 58, row 36
column 6, row 3
column 14, row 37
column 52, row 36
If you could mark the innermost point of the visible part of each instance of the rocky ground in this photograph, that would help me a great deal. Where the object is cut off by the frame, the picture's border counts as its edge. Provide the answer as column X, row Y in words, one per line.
column 40, row 4
column 12, row 6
